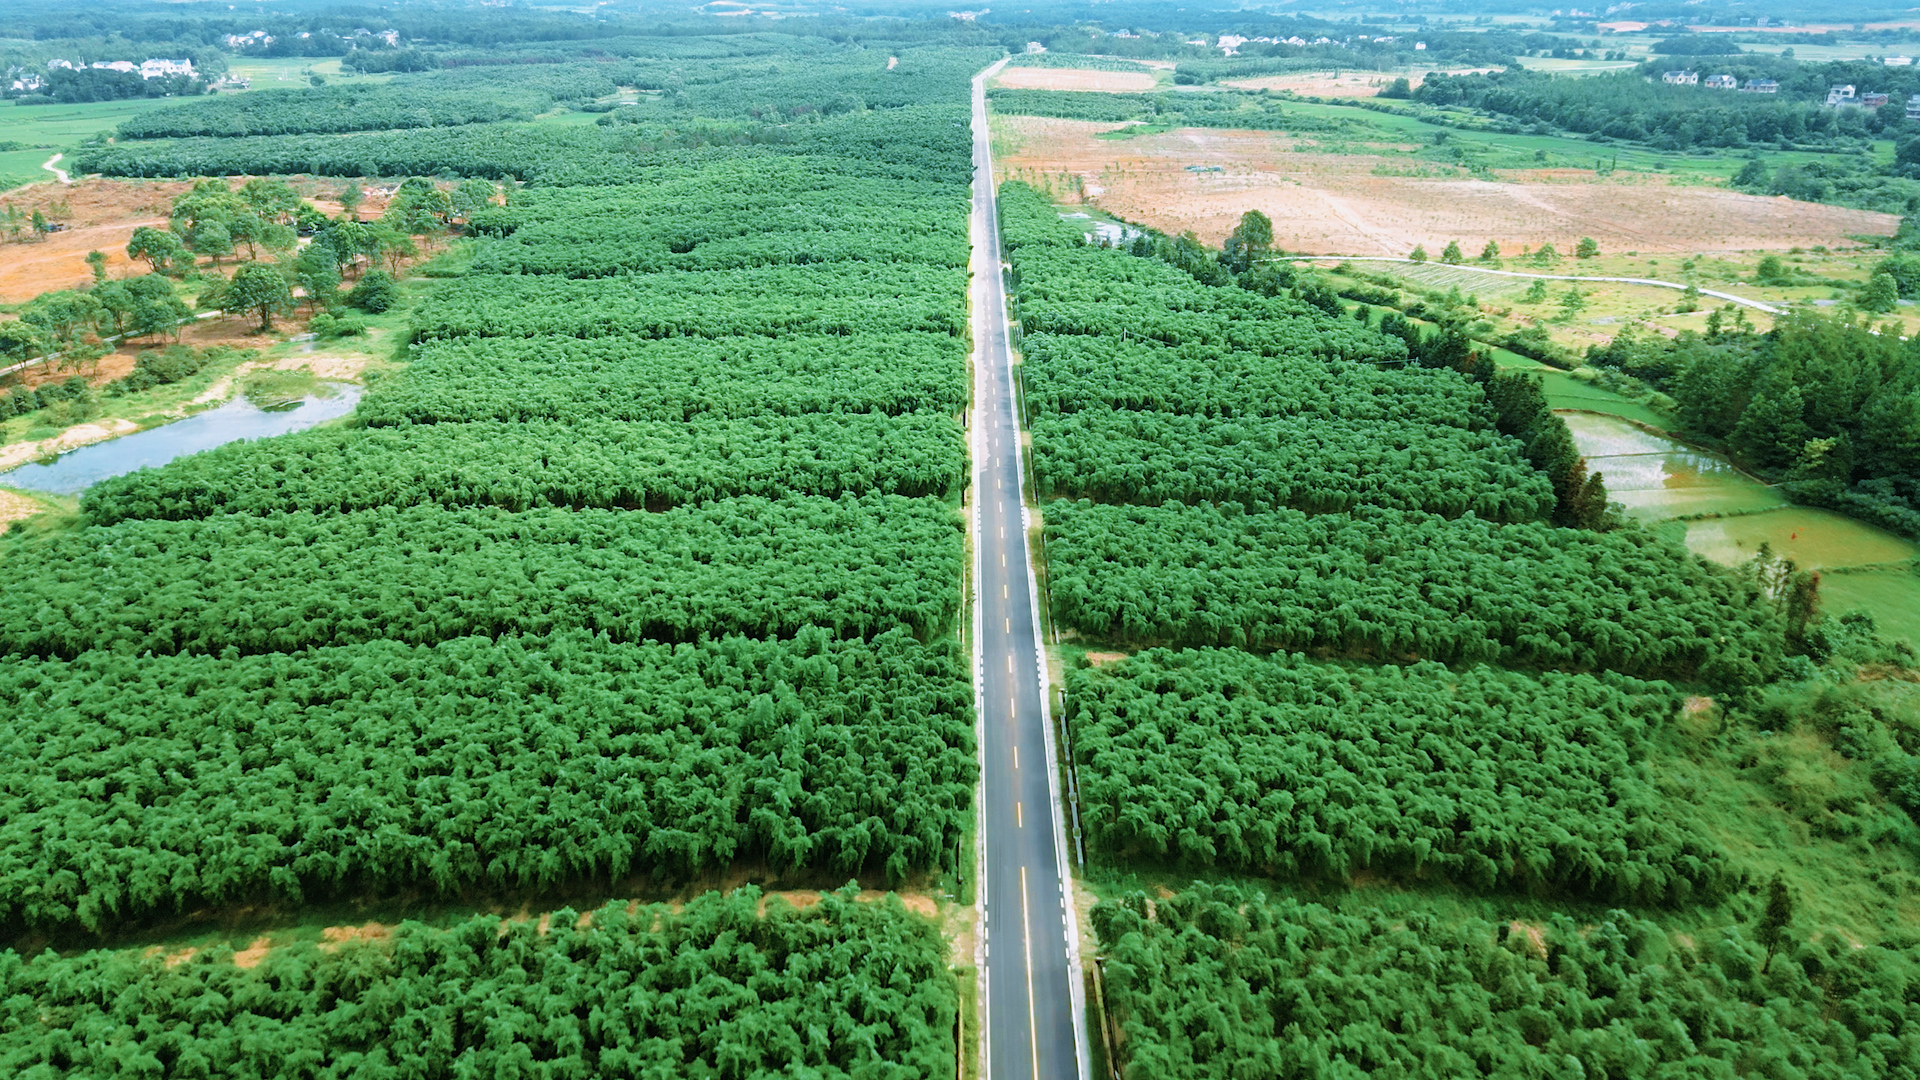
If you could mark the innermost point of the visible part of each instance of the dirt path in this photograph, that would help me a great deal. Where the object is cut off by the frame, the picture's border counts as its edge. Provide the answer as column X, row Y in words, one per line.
column 1715, row 293
column 59, row 174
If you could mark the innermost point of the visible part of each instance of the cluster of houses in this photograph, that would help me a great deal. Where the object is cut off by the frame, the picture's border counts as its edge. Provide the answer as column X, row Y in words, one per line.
column 28, row 82
column 1721, row 82
column 260, row 39
column 1838, row 97
column 1844, row 97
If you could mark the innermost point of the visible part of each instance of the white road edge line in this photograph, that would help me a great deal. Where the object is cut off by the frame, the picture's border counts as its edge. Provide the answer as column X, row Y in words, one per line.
column 1076, row 991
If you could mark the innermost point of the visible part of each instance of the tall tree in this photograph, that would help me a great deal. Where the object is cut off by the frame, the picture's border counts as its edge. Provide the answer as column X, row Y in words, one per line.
column 258, row 288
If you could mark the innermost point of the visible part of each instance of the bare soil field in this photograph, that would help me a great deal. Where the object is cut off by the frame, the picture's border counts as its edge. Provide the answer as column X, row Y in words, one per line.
column 100, row 215
column 1350, row 84
column 1334, row 203
column 1031, row 78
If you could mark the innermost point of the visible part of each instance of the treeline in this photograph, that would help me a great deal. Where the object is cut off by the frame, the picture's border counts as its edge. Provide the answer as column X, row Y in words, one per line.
column 837, row 990
column 1829, row 406
column 331, row 110
column 1625, row 105
column 919, row 139
column 286, row 581
column 650, row 465
column 1217, row 981
column 1222, row 109
column 1397, row 585
column 147, row 788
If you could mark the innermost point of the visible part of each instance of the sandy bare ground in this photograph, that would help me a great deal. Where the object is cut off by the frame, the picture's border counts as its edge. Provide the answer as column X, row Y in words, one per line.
column 1349, row 84
column 1028, row 78
column 16, row 507
column 100, row 215
column 71, row 439
column 1325, row 203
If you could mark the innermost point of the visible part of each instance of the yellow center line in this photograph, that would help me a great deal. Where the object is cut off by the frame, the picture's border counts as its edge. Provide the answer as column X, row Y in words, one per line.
column 1026, row 935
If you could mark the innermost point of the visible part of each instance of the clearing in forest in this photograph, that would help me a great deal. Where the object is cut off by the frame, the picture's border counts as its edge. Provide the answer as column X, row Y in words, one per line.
column 1357, row 203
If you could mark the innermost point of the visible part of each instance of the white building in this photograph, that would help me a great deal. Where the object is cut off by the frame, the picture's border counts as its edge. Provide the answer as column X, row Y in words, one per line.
column 1897, row 61
column 1722, row 82
column 115, row 65
column 1681, row 78
column 156, row 68
column 1840, row 95
column 1913, row 107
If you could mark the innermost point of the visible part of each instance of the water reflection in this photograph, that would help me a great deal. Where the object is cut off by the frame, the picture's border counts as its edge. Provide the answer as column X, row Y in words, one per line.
column 80, row 469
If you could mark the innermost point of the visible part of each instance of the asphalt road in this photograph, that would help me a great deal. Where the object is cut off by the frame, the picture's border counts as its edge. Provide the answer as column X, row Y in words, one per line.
column 1033, row 995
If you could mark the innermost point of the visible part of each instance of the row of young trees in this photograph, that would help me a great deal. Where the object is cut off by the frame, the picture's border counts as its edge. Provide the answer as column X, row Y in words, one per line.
column 1218, row 981
column 289, row 581
column 145, row 788
column 1399, row 585
column 845, row 298
column 641, row 379
column 1221, row 759
column 838, row 990
column 648, row 465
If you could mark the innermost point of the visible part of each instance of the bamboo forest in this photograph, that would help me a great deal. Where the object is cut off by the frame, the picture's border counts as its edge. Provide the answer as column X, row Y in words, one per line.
column 735, row 542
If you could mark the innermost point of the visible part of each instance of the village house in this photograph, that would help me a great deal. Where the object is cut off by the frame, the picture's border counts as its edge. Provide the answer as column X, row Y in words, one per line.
column 1841, row 96
column 1872, row 100
column 1681, row 78
column 1760, row 86
column 1913, row 107
column 154, row 69
column 1722, row 82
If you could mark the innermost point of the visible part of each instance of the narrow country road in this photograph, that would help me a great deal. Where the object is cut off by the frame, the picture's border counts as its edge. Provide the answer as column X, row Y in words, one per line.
column 1656, row 282
column 51, row 165
column 1034, row 1027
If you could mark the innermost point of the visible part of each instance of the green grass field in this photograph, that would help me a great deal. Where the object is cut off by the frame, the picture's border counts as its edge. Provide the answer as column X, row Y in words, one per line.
column 60, row 126
column 22, row 167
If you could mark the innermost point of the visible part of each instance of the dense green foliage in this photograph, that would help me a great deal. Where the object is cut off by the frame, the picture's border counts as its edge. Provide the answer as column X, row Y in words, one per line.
column 1223, row 109
column 650, row 465
column 624, row 378
column 1389, row 584
column 1220, row 982
column 833, row 298
column 423, row 574
column 329, row 109
column 148, row 787
column 646, row 562
column 1277, row 765
column 1831, row 407
column 1626, row 105
column 841, row 989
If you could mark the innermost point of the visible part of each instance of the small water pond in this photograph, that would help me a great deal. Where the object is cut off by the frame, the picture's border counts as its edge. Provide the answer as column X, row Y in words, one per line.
column 1659, row 479
column 74, row 472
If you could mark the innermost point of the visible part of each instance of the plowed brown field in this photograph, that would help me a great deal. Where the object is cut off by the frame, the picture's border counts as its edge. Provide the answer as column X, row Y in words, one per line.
column 1335, row 204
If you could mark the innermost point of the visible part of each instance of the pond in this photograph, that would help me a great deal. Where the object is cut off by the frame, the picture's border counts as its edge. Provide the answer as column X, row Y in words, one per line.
column 1658, row 479
column 74, row 472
